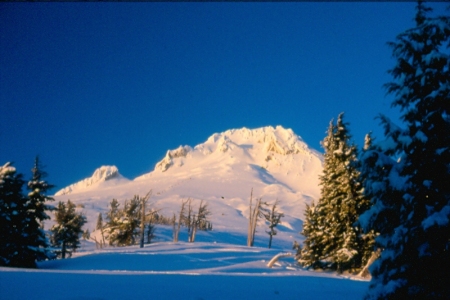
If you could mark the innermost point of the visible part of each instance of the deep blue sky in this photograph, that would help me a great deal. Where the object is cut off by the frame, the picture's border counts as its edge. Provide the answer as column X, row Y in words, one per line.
column 91, row 84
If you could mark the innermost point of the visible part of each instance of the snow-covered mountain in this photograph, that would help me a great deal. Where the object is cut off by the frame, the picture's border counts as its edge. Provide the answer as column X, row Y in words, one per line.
column 274, row 162
column 100, row 176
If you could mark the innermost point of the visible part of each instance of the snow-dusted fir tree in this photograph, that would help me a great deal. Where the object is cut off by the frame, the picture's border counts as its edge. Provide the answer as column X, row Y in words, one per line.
column 345, row 196
column 67, row 231
column 408, row 174
column 22, row 239
column 112, row 219
column 123, row 223
column 312, row 249
column 100, row 226
column 367, row 238
column 333, row 239
column 37, row 205
column 12, row 216
column 312, row 252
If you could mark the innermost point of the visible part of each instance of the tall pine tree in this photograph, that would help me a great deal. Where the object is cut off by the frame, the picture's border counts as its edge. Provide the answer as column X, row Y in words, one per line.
column 407, row 176
column 333, row 238
column 312, row 250
column 12, row 216
column 36, row 213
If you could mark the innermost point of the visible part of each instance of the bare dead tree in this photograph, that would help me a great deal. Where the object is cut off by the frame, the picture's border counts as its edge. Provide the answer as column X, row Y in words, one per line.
column 273, row 216
column 189, row 218
column 249, row 229
column 98, row 245
column 192, row 229
column 151, row 226
column 143, row 204
column 254, row 214
column 200, row 218
column 181, row 217
column 174, row 221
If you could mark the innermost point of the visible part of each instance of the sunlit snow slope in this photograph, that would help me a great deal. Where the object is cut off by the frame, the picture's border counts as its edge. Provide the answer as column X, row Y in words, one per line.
column 105, row 176
column 274, row 162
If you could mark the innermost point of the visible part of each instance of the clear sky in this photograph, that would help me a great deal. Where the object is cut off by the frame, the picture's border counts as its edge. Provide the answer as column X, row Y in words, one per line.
column 90, row 84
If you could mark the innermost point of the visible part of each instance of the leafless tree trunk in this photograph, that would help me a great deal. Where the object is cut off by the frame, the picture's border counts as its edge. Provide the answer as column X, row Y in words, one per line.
column 201, row 216
column 97, row 243
column 63, row 250
column 249, row 230
column 143, row 204
column 151, row 228
column 274, row 218
column 193, row 229
column 174, row 233
column 189, row 221
column 254, row 214
column 181, row 217
column 365, row 271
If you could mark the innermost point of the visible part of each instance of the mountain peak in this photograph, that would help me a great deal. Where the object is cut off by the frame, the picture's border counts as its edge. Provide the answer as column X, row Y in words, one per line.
column 102, row 174
column 254, row 145
column 272, row 161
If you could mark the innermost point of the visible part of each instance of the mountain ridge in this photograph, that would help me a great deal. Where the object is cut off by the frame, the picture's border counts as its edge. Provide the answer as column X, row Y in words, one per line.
column 273, row 162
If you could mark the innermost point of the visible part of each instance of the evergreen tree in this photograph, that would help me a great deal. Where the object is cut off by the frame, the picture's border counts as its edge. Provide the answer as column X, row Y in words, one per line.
column 345, row 181
column 112, row 219
column 367, row 238
column 333, row 239
column 309, row 255
column 313, row 248
column 12, row 216
column 22, row 238
column 99, row 226
column 67, row 231
column 407, row 176
column 124, row 223
column 36, row 213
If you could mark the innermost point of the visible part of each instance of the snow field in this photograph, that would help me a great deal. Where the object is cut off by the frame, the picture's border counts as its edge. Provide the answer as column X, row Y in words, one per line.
column 175, row 271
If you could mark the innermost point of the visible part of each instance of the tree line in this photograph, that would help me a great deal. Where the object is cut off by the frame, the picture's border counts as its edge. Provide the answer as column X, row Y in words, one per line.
column 124, row 226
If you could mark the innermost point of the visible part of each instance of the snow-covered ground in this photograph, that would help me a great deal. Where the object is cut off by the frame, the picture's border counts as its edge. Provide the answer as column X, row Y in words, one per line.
column 274, row 162
column 166, row 270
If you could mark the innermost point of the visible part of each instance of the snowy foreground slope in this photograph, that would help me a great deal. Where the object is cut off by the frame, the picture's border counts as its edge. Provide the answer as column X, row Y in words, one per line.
column 275, row 162
column 175, row 271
